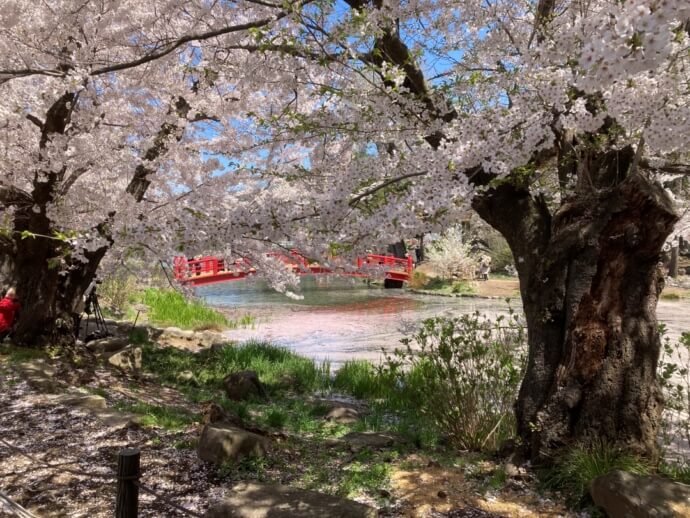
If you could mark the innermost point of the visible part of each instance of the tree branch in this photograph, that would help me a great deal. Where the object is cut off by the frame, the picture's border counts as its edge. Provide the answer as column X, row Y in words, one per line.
column 161, row 51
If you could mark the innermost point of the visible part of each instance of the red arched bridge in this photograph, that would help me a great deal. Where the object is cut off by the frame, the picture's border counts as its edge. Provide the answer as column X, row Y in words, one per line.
column 210, row 270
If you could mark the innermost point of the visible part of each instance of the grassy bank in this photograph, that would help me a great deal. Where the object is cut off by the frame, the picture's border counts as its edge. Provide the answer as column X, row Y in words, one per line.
column 165, row 307
column 171, row 308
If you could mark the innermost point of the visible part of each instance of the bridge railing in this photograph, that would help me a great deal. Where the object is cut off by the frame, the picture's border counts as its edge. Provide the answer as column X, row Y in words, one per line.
column 185, row 269
column 387, row 260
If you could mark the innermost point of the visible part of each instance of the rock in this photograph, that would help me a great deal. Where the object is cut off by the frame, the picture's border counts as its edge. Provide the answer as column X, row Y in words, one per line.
column 222, row 442
column 88, row 402
column 442, row 494
column 243, row 385
column 115, row 421
column 128, row 359
column 189, row 340
column 626, row 495
column 255, row 500
column 372, row 440
column 512, row 467
column 186, row 377
column 209, row 338
column 214, row 413
column 107, row 345
column 342, row 415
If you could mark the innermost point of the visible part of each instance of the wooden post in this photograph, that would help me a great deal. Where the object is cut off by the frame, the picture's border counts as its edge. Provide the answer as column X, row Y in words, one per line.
column 127, row 489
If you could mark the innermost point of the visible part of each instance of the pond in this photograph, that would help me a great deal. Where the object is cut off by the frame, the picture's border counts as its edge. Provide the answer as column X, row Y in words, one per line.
column 341, row 319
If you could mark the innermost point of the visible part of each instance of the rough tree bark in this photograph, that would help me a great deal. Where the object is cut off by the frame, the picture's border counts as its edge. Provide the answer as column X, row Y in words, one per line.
column 590, row 281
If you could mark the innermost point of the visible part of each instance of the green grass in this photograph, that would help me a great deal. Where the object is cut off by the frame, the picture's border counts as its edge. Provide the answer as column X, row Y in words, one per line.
column 276, row 418
column 168, row 418
column 14, row 354
column 676, row 472
column 364, row 476
column 573, row 473
column 278, row 368
column 361, row 379
column 171, row 308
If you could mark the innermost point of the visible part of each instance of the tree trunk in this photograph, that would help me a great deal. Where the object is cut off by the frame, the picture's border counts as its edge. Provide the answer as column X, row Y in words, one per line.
column 49, row 292
column 590, row 281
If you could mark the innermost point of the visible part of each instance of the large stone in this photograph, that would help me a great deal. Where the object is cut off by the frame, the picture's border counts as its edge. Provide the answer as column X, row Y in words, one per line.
column 243, row 385
column 342, row 414
column 221, row 442
column 254, row 500
column 107, row 345
column 128, row 359
column 115, row 421
column 190, row 340
column 369, row 440
column 626, row 495
column 86, row 401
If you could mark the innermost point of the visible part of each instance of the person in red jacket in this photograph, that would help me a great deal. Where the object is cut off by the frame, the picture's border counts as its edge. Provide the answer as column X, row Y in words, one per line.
column 9, row 306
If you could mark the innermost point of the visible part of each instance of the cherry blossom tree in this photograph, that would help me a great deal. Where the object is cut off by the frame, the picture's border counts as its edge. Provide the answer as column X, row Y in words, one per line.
column 556, row 122
column 104, row 111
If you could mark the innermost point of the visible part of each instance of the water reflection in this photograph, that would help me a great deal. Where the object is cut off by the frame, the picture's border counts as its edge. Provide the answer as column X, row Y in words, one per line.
column 338, row 320
column 343, row 318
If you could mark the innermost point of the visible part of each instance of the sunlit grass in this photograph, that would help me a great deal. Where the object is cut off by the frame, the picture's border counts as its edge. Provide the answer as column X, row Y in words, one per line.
column 168, row 307
column 165, row 417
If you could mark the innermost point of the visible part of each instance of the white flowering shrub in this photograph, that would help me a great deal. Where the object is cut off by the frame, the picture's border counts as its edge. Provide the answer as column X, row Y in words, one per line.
column 451, row 257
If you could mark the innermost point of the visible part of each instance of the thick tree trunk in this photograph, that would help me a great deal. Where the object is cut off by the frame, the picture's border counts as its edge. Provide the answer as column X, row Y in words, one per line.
column 50, row 293
column 590, row 280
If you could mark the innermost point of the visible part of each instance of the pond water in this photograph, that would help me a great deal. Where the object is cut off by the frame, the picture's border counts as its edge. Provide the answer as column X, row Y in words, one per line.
column 341, row 319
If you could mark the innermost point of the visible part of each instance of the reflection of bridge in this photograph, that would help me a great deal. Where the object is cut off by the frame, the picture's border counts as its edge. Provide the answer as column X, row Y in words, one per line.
column 210, row 270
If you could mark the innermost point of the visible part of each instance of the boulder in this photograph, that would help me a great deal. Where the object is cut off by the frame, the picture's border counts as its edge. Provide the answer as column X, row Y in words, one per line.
column 187, row 377
column 626, row 495
column 115, row 421
column 342, row 415
column 255, row 500
column 87, row 402
column 191, row 340
column 107, row 345
column 221, row 442
column 128, row 359
column 242, row 385
column 369, row 440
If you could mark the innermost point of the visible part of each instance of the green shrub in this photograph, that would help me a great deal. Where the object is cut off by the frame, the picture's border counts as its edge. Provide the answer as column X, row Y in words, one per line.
column 462, row 287
column 463, row 376
column 422, row 281
column 169, row 307
column 418, row 281
column 361, row 379
column 276, row 418
column 574, row 471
